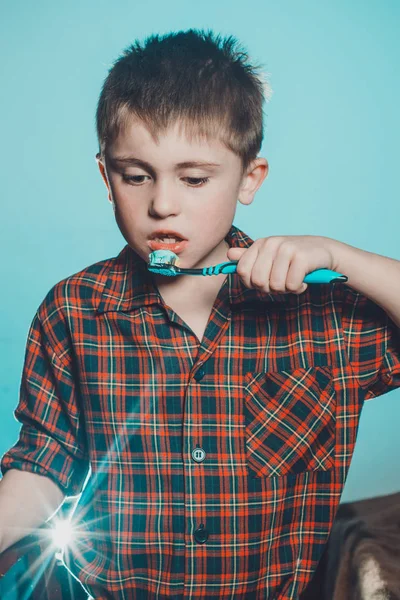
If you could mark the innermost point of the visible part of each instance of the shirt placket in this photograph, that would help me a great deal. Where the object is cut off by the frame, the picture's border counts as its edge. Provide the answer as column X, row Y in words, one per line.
column 194, row 444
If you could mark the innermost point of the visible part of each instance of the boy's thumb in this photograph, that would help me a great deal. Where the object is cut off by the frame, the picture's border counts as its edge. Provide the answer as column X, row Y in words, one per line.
column 235, row 253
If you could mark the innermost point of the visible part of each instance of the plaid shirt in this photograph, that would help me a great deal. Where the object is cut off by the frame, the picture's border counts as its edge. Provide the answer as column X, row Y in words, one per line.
column 213, row 469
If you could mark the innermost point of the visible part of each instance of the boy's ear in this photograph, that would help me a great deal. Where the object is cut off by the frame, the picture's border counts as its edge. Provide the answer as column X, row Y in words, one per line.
column 252, row 180
column 103, row 173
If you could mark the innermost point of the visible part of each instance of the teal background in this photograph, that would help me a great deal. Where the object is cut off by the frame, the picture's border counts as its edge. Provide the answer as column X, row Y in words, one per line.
column 331, row 138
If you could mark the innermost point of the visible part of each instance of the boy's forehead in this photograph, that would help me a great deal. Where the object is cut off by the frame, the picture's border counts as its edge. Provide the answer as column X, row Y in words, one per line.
column 134, row 135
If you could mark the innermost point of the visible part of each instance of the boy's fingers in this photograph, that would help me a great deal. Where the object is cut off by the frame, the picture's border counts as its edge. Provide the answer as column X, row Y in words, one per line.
column 235, row 253
column 245, row 264
column 261, row 271
column 279, row 272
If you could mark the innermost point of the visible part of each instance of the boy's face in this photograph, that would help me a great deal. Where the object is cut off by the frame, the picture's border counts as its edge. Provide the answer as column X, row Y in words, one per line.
column 198, row 202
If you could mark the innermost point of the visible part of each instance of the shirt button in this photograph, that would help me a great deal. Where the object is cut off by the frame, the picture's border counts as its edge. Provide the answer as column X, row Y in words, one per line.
column 201, row 534
column 199, row 374
column 198, row 454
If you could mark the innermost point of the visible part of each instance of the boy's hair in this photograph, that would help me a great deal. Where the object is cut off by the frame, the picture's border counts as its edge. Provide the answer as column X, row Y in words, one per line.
column 192, row 77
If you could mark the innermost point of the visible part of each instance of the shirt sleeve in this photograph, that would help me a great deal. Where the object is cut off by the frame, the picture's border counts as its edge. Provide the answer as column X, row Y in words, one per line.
column 51, row 440
column 373, row 343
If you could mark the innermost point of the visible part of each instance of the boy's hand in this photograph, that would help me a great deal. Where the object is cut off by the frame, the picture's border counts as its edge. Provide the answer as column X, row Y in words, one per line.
column 280, row 263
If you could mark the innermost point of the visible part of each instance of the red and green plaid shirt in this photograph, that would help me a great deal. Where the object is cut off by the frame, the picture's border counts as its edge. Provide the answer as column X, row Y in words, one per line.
column 215, row 468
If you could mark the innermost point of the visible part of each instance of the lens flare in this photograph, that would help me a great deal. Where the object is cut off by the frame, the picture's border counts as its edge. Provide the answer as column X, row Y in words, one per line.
column 62, row 534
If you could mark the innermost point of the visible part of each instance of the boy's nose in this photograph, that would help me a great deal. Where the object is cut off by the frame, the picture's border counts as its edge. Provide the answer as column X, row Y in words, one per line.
column 164, row 202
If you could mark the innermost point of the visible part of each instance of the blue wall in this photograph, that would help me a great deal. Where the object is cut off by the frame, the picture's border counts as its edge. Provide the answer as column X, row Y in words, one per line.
column 331, row 139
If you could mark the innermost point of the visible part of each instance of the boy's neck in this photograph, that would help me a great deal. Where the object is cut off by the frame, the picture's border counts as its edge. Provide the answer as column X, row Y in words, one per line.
column 191, row 290
column 198, row 290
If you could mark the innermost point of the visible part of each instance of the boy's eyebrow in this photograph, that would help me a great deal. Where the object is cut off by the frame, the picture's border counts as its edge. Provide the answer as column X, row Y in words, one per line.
column 130, row 160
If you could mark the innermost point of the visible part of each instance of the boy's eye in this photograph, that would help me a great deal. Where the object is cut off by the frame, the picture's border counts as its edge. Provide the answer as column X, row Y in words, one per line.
column 133, row 179
column 193, row 181
column 197, row 180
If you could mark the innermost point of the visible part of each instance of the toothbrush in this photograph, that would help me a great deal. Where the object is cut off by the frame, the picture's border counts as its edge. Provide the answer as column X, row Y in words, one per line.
column 165, row 262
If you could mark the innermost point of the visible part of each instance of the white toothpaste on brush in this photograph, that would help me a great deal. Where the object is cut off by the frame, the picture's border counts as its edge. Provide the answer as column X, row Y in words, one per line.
column 166, row 257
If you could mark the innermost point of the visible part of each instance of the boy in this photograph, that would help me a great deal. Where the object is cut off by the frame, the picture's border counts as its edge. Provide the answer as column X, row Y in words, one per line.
column 218, row 415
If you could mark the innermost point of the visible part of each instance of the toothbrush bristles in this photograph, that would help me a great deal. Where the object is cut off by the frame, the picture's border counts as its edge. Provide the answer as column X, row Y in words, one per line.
column 165, row 257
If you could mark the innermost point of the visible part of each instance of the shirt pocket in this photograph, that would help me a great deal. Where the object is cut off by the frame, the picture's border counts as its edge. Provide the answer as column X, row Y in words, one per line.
column 290, row 421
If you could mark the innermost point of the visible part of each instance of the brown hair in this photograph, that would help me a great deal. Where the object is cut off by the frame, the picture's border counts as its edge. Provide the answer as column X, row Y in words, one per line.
column 194, row 77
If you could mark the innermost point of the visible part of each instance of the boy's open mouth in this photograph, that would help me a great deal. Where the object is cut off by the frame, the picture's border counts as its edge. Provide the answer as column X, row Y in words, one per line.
column 166, row 237
column 167, row 240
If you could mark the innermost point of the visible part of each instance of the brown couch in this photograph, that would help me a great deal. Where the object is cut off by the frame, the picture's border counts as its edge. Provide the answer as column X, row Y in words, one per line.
column 361, row 560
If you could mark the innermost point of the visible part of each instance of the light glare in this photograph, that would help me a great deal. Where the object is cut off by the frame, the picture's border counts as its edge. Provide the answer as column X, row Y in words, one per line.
column 62, row 534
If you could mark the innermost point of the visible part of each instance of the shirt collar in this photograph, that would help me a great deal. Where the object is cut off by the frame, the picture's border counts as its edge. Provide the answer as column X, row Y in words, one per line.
column 129, row 285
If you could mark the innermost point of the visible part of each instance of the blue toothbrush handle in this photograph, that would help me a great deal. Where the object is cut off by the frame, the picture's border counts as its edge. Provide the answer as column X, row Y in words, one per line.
column 318, row 276
column 324, row 276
